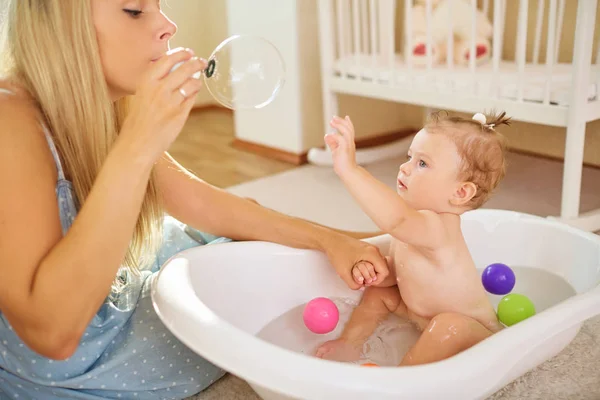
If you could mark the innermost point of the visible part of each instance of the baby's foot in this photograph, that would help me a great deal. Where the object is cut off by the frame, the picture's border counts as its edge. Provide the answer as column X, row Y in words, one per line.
column 338, row 350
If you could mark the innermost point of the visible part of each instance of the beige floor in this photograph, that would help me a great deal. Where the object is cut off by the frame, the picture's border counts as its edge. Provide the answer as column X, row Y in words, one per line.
column 532, row 185
column 204, row 148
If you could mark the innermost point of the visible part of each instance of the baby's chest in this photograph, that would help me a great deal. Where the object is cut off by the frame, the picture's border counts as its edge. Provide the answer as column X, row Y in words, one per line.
column 408, row 260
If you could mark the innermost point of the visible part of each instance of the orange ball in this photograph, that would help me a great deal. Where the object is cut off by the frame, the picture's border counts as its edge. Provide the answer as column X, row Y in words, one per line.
column 369, row 365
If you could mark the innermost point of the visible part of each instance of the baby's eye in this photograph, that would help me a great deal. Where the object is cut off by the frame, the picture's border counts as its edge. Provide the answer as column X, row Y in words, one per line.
column 422, row 164
column 408, row 157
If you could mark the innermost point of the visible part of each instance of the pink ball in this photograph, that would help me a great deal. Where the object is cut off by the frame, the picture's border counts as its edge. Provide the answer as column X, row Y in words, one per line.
column 321, row 315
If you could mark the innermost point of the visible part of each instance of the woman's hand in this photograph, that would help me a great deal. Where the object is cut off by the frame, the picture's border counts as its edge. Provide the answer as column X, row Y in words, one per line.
column 346, row 253
column 163, row 101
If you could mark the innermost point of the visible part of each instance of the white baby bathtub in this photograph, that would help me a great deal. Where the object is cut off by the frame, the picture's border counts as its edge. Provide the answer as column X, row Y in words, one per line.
column 216, row 299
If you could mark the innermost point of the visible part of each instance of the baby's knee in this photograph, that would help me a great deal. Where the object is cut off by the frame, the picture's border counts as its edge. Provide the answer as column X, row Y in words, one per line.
column 389, row 296
column 461, row 327
column 448, row 322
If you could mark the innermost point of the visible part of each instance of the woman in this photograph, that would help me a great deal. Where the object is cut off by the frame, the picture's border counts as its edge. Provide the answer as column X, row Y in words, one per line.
column 86, row 181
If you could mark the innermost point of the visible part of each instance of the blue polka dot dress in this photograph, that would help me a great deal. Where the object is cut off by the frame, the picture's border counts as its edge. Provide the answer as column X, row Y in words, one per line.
column 126, row 352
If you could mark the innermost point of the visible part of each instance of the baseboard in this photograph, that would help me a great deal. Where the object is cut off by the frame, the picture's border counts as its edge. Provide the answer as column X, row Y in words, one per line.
column 384, row 138
column 211, row 107
column 270, row 152
column 549, row 157
column 299, row 159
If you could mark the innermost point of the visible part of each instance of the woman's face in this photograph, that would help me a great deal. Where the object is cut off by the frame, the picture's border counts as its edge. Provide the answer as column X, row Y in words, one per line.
column 131, row 34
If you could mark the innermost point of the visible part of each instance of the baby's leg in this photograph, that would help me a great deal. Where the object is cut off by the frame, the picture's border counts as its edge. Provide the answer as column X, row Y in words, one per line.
column 376, row 304
column 446, row 335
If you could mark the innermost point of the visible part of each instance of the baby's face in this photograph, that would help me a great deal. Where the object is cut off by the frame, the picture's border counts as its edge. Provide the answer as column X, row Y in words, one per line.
column 428, row 179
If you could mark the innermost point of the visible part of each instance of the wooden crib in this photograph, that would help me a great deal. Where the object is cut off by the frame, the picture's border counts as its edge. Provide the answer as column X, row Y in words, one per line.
column 440, row 69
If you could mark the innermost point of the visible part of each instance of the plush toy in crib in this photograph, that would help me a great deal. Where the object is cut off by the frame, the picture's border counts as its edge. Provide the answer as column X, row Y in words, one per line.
column 462, row 17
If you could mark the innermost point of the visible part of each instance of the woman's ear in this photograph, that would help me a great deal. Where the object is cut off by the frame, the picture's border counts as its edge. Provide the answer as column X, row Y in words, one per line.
column 463, row 194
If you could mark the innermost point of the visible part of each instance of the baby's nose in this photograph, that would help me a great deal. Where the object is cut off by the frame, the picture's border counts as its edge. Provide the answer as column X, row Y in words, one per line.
column 405, row 168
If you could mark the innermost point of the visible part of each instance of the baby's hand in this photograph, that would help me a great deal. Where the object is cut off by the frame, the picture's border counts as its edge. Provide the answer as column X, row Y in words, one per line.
column 365, row 274
column 342, row 145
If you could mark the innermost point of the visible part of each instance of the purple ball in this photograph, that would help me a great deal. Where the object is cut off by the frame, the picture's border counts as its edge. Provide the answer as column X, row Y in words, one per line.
column 498, row 278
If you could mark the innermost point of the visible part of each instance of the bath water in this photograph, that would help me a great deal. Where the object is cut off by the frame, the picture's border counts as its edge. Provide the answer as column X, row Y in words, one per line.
column 394, row 336
column 386, row 346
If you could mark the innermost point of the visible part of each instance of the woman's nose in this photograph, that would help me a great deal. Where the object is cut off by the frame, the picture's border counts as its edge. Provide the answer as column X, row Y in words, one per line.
column 167, row 30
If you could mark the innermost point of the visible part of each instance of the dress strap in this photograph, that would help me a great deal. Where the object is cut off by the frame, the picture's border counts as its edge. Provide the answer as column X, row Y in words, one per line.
column 61, row 173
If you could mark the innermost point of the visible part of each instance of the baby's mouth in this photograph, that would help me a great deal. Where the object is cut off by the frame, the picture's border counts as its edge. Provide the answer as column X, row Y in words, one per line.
column 401, row 185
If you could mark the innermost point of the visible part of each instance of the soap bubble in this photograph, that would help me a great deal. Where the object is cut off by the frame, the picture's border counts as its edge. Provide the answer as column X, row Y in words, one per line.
column 244, row 72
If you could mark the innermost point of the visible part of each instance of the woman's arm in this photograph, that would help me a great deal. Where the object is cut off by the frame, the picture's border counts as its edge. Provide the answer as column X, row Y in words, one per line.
column 50, row 286
column 211, row 209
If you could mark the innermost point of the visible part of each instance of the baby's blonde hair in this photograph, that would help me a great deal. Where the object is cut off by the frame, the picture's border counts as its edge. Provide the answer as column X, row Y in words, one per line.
column 481, row 147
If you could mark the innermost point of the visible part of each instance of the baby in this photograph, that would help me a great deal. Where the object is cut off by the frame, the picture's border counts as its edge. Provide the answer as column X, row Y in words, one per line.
column 453, row 166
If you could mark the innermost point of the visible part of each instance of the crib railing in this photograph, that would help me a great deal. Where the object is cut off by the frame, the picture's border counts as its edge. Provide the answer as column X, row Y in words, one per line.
column 365, row 37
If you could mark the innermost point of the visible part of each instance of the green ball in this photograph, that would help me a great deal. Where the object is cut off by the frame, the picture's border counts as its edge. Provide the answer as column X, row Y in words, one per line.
column 514, row 308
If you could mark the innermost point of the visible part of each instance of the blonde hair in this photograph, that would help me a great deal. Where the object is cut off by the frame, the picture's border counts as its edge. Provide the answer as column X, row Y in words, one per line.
column 481, row 148
column 50, row 49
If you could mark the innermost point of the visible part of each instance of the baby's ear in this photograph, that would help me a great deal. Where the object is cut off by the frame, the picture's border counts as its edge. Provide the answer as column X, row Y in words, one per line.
column 463, row 194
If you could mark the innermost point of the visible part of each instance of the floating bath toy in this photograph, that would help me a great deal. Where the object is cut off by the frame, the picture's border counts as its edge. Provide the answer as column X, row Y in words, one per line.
column 321, row 315
column 498, row 278
column 514, row 308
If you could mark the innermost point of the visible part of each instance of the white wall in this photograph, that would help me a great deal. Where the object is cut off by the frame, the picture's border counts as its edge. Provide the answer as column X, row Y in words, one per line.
column 202, row 25
column 280, row 123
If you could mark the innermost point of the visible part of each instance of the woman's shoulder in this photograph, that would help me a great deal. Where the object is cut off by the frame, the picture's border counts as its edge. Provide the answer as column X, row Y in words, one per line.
column 16, row 105
column 20, row 122
column 18, row 111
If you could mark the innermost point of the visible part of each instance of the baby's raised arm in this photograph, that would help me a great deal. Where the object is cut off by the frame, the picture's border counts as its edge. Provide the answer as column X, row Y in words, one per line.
column 384, row 206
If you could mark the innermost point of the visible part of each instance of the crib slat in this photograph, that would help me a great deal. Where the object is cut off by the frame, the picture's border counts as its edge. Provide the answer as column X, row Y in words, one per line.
column 365, row 26
column 383, row 32
column 561, row 15
column 392, row 40
column 341, row 46
column 450, row 45
column 496, row 45
column 408, row 39
column 381, row 24
column 374, row 49
column 522, row 47
column 429, row 49
column 550, row 51
column 472, row 54
column 356, row 32
column 538, row 31
column 503, row 17
column 348, row 26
